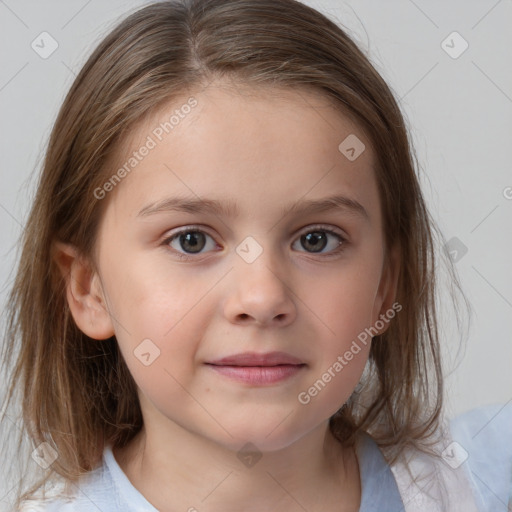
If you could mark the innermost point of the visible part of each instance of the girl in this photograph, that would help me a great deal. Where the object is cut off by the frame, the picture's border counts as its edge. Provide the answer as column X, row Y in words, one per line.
column 226, row 293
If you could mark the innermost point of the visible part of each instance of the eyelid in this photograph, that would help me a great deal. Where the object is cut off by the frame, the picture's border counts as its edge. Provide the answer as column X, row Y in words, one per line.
column 324, row 227
column 188, row 227
column 307, row 229
column 169, row 235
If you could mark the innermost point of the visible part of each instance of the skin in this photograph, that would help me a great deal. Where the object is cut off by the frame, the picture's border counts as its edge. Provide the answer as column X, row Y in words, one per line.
column 264, row 150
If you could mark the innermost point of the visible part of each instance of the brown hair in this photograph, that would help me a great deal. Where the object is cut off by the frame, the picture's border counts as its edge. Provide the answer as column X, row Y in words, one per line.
column 77, row 392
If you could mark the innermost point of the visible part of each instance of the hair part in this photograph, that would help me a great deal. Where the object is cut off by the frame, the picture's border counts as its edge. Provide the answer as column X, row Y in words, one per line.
column 77, row 392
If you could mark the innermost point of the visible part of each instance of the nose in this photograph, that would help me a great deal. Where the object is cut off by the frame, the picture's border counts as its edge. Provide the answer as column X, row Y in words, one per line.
column 260, row 295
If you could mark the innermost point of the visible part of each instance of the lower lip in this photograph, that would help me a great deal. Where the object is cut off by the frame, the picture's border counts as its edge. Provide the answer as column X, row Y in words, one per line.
column 258, row 375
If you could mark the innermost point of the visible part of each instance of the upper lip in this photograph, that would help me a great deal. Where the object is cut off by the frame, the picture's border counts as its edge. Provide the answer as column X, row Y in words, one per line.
column 255, row 359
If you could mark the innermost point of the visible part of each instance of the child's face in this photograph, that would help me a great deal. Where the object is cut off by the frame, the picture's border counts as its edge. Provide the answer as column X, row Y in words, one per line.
column 261, row 153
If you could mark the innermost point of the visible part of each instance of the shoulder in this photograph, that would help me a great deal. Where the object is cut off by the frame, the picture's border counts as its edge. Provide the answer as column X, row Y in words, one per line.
column 484, row 438
column 106, row 488
column 433, row 481
column 53, row 499
column 484, row 425
column 91, row 492
column 46, row 505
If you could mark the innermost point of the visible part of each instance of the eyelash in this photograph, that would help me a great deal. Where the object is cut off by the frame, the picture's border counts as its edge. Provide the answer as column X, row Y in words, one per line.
column 315, row 228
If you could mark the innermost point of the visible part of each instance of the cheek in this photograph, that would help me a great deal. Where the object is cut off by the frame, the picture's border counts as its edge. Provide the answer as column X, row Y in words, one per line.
column 158, row 323
column 333, row 384
column 146, row 300
column 345, row 304
column 344, row 307
column 160, row 352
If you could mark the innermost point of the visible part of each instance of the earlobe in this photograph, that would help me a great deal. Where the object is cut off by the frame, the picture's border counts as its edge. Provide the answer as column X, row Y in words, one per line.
column 84, row 293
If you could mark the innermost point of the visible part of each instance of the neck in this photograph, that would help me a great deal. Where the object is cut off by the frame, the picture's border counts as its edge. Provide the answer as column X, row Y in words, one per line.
column 179, row 470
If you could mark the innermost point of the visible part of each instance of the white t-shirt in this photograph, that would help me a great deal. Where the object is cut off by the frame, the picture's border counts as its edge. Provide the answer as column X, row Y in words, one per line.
column 474, row 475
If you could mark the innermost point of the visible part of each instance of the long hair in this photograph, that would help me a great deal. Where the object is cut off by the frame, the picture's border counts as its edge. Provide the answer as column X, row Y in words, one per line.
column 76, row 393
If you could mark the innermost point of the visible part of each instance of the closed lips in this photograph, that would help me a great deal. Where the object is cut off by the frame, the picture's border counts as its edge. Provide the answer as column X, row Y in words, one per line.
column 255, row 359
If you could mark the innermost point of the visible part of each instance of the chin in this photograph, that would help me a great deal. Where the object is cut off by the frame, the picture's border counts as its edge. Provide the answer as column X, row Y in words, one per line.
column 266, row 437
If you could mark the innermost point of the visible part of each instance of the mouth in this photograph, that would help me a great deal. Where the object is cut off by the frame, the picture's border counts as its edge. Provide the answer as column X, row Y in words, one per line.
column 258, row 369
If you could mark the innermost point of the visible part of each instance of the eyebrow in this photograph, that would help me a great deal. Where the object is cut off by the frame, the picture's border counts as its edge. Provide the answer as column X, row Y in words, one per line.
column 231, row 209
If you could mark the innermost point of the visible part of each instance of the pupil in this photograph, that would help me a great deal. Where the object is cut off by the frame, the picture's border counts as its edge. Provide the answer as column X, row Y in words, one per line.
column 190, row 239
column 310, row 239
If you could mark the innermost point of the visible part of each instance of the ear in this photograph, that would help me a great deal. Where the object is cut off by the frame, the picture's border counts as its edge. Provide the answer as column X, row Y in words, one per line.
column 84, row 292
column 386, row 293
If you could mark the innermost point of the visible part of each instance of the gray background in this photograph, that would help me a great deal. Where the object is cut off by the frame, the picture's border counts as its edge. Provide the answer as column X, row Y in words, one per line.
column 459, row 111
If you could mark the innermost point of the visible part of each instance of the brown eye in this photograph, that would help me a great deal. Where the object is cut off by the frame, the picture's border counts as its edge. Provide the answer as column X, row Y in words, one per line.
column 192, row 241
column 315, row 241
column 189, row 242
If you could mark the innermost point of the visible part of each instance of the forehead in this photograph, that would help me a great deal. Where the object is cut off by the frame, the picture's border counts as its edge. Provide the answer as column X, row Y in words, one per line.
column 246, row 141
column 225, row 104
